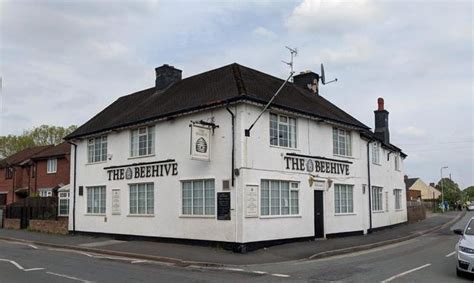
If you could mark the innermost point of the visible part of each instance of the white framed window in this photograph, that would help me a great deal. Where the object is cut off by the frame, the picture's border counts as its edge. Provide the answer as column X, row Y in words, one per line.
column 198, row 197
column 142, row 199
column 342, row 144
column 52, row 165
column 377, row 198
column 343, row 198
column 282, row 131
column 398, row 198
column 376, row 153
column 397, row 163
column 45, row 193
column 63, row 203
column 279, row 198
column 97, row 149
column 96, row 200
column 142, row 141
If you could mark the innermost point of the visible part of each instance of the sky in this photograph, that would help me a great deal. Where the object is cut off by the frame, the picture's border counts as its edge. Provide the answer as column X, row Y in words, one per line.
column 61, row 62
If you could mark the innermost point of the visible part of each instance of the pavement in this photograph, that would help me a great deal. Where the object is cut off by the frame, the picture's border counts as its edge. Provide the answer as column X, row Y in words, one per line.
column 183, row 255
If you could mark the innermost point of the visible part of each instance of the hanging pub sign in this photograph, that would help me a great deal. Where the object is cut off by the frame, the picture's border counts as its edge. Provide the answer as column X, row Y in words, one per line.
column 200, row 142
column 316, row 164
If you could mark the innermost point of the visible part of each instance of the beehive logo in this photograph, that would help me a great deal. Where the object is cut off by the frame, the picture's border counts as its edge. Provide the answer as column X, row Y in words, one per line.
column 201, row 145
column 128, row 174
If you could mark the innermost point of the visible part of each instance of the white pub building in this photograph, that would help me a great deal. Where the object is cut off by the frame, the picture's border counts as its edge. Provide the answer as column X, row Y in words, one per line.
column 175, row 162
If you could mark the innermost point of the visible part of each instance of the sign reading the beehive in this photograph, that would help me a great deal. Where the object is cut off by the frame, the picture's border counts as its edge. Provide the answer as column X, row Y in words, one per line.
column 200, row 142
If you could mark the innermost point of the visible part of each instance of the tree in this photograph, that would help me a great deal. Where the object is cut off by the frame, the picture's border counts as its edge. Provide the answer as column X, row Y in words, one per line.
column 42, row 135
column 452, row 193
column 468, row 193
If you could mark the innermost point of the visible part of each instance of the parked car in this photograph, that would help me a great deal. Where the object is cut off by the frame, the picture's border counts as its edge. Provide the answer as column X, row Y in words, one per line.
column 470, row 207
column 465, row 249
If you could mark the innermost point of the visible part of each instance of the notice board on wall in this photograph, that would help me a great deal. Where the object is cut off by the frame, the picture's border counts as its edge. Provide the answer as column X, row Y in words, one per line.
column 223, row 206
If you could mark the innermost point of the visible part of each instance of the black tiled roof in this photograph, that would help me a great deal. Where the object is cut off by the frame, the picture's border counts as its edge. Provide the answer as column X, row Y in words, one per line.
column 217, row 87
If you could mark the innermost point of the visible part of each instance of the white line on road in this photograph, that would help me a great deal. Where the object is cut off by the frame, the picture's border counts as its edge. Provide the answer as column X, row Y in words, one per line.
column 33, row 246
column 405, row 273
column 19, row 266
column 139, row 261
column 280, row 275
column 450, row 254
column 233, row 269
column 69, row 277
column 259, row 272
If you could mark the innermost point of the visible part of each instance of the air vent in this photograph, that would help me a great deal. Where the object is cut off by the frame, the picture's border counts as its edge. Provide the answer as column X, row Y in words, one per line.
column 225, row 184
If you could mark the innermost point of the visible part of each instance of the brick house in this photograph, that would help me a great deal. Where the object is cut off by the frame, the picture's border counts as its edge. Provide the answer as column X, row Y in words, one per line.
column 37, row 170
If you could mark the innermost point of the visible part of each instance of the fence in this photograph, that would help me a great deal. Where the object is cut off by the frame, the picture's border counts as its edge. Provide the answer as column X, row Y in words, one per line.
column 45, row 208
column 416, row 211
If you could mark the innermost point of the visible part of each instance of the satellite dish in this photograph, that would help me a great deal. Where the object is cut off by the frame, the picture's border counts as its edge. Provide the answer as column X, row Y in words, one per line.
column 323, row 76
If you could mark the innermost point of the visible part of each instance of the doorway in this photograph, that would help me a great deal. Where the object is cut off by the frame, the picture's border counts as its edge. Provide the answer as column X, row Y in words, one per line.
column 318, row 214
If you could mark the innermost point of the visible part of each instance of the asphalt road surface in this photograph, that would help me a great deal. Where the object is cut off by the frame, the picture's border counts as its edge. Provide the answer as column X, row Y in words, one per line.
column 428, row 258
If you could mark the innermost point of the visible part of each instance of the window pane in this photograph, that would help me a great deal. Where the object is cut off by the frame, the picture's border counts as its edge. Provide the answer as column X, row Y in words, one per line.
column 337, row 198
column 198, row 197
column 294, row 202
column 285, row 198
column 209, row 197
column 292, row 130
column 273, row 129
column 150, row 198
column 133, row 199
column 187, row 198
column 283, row 135
column 264, row 198
column 274, row 198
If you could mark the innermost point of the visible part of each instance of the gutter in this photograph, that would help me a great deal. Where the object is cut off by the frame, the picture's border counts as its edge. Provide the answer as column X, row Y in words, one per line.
column 74, row 188
column 233, row 145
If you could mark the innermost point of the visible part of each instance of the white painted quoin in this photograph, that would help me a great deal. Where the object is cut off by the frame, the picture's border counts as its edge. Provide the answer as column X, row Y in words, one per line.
column 257, row 166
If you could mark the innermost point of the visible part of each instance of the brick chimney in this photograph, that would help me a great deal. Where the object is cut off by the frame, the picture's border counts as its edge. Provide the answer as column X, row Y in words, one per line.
column 166, row 75
column 307, row 80
column 381, row 122
column 433, row 185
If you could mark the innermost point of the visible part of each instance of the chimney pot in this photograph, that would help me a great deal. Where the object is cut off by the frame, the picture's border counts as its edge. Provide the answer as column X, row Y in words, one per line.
column 307, row 80
column 380, row 102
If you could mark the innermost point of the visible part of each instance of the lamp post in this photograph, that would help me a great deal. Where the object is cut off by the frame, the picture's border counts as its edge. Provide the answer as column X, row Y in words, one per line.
column 442, row 188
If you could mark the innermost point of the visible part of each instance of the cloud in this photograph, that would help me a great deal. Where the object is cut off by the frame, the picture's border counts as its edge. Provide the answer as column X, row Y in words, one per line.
column 263, row 33
column 412, row 132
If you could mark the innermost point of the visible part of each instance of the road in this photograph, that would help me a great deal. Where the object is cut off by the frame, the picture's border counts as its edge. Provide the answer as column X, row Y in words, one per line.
column 428, row 258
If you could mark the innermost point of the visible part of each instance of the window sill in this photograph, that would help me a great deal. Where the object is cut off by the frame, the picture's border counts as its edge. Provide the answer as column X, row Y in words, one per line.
column 345, row 214
column 279, row 216
column 399, row 209
column 378, row 211
column 344, row 156
column 285, row 147
column 94, row 163
column 95, row 214
column 198, row 216
column 378, row 164
column 49, row 173
column 141, row 156
column 141, row 215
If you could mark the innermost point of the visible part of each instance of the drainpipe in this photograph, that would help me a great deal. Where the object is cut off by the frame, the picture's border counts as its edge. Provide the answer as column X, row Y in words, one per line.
column 369, row 188
column 233, row 144
column 74, row 189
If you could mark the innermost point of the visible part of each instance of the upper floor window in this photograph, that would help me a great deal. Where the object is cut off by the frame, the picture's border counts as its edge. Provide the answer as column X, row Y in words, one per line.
column 375, row 153
column 8, row 173
column 341, row 142
column 142, row 141
column 282, row 130
column 52, row 165
column 397, row 163
column 97, row 149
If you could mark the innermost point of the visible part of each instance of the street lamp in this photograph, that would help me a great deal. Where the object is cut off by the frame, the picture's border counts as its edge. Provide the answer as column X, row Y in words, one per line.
column 442, row 188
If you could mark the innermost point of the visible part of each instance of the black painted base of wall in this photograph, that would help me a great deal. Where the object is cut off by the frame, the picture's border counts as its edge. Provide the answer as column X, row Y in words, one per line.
column 344, row 234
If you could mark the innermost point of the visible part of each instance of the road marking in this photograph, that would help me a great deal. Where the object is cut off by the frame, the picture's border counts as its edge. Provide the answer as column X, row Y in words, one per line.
column 101, row 244
column 33, row 246
column 19, row 266
column 69, row 277
column 450, row 254
column 233, row 269
column 405, row 273
column 280, row 275
column 259, row 272
column 139, row 261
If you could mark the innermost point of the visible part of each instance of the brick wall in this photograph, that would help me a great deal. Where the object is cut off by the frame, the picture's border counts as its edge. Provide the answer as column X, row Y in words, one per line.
column 416, row 212
column 6, row 185
column 45, row 180
column 11, row 223
column 59, row 226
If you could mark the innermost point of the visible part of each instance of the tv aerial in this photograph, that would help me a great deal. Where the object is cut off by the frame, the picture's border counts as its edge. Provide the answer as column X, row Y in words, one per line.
column 323, row 76
column 293, row 53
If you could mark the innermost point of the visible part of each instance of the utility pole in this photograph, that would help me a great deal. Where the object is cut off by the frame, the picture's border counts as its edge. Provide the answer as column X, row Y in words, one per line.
column 442, row 187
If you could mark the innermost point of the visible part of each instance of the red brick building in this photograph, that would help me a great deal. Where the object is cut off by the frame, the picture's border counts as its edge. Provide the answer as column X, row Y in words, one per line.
column 37, row 170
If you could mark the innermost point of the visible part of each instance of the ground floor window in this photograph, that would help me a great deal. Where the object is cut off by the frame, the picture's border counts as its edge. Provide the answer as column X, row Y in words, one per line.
column 198, row 197
column 3, row 198
column 377, row 198
column 142, row 199
column 279, row 198
column 63, row 204
column 343, row 198
column 398, row 198
column 45, row 193
column 96, row 199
